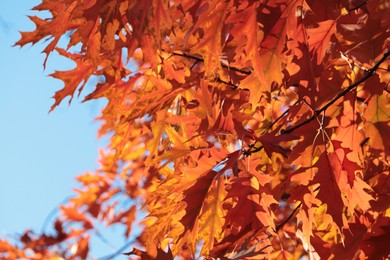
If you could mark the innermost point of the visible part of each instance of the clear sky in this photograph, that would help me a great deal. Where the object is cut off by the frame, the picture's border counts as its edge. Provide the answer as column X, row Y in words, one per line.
column 40, row 153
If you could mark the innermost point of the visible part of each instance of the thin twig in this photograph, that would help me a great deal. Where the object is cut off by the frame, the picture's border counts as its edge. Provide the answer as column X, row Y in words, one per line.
column 105, row 240
column 52, row 214
column 234, row 86
column 277, row 119
column 281, row 225
column 358, row 6
column 251, row 150
column 186, row 55
column 118, row 252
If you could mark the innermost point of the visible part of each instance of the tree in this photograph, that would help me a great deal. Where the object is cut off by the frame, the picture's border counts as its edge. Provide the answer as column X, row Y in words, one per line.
column 243, row 128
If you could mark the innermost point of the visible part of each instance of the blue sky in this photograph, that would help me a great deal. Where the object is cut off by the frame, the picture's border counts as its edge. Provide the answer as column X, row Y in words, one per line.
column 41, row 153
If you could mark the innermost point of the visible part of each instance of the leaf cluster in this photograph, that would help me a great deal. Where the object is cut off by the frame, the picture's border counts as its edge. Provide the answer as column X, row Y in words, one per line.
column 243, row 129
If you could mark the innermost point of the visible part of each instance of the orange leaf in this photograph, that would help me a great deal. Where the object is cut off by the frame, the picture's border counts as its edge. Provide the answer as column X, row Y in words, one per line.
column 74, row 215
column 72, row 78
column 319, row 39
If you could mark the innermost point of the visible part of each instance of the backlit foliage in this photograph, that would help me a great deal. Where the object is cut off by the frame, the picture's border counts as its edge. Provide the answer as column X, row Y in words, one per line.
column 244, row 129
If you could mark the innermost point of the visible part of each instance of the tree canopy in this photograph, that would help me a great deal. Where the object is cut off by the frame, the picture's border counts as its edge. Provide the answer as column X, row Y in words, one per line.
column 241, row 129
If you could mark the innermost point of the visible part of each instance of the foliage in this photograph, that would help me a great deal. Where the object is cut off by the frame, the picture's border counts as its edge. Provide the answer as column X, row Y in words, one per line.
column 245, row 129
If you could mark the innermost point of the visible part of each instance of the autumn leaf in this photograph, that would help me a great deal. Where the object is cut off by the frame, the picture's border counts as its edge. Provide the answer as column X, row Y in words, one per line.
column 212, row 220
column 320, row 37
column 73, row 79
column 55, row 27
column 329, row 178
column 194, row 198
column 210, row 45
column 271, row 142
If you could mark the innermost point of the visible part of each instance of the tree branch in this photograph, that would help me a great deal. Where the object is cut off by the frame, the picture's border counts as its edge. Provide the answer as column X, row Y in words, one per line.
column 368, row 74
column 258, row 149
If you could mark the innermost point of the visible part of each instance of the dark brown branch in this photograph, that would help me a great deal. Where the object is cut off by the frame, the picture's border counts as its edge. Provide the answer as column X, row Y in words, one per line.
column 251, row 150
column 234, row 86
column 258, row 149
column 281, row 225
column 358, row 6
column 277, row 119
column 186, row 55
column 251, row 251
column 368, row 74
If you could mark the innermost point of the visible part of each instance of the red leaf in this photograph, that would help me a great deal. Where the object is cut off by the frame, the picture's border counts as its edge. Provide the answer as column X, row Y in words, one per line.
column 330, row 194
column 161, row 254
column 271, row 142
column 194, row 198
